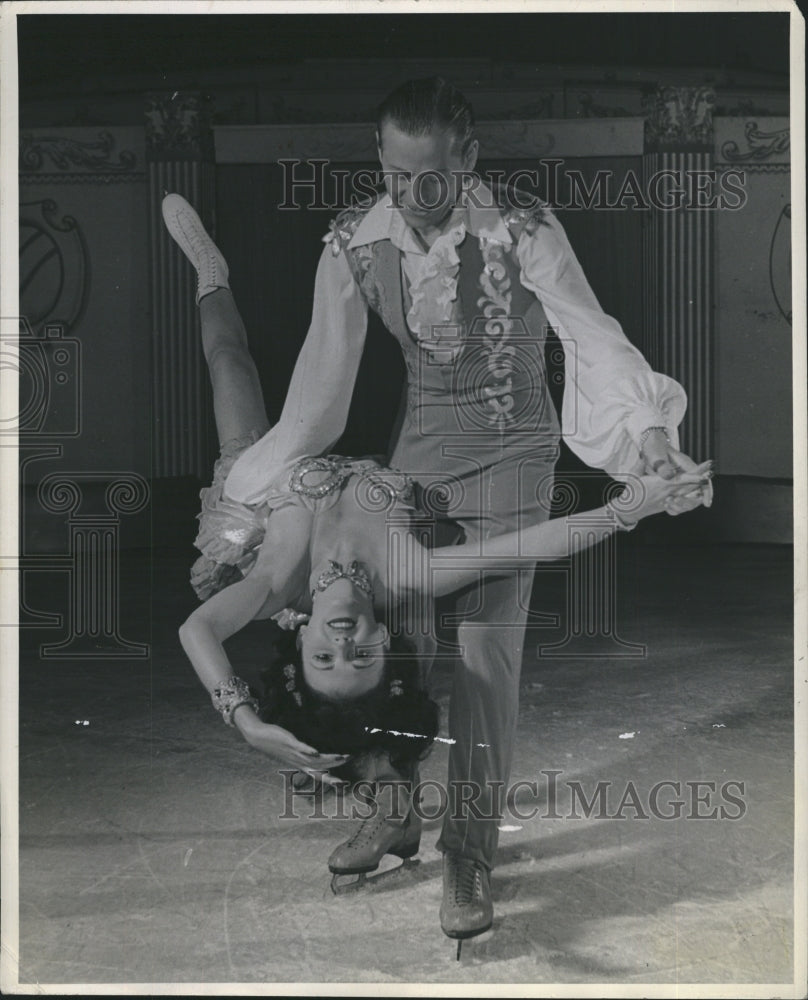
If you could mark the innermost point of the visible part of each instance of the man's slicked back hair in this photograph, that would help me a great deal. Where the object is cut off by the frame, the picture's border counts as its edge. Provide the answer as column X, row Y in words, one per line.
column 419, row 107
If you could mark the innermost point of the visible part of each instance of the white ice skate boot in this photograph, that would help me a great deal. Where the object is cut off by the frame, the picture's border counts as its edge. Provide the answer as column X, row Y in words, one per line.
column 193, row 239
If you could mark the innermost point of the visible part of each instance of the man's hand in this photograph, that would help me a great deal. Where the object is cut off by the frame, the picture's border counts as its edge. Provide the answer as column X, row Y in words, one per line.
column 663, row 460
column 673, row 496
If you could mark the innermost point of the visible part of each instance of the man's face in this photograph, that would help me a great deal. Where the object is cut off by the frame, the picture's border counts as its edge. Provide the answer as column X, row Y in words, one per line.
column 423, row 174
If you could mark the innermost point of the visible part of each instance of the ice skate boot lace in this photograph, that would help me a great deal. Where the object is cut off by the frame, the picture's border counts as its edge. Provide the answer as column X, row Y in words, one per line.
column 202, row 246
column 466, row 881
column 367, row 831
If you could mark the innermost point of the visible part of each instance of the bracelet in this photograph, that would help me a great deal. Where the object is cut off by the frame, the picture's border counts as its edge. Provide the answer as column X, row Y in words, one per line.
column 229, row 696
column 650, row 430
column 620, row 520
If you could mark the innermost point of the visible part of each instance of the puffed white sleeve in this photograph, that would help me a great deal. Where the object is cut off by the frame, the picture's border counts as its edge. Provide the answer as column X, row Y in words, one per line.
column 611, row 394
column 319, row 396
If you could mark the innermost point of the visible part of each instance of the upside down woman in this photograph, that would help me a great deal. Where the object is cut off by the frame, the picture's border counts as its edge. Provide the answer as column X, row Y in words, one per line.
column 347, row 701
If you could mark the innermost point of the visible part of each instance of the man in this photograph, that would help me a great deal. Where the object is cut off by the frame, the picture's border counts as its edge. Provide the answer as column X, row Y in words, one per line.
column 468, row 285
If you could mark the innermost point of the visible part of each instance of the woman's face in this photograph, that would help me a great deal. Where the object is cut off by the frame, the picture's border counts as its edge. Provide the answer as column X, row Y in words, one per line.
column 343, row 646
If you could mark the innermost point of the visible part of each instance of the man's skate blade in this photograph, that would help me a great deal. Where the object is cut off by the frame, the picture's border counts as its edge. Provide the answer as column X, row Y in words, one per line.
column 343, row 885
column 482, row 937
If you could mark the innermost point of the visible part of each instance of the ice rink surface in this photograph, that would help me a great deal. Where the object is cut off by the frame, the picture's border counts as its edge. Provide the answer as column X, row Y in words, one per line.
column 151, row 848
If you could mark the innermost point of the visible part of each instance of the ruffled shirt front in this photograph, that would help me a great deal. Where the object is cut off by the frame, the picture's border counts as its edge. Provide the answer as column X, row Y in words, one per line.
column 431, row 274
column 432, row 283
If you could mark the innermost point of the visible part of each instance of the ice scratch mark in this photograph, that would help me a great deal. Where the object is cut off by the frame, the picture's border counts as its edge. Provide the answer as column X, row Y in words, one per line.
column 719, row 725
column 628, row 736
column 145, row 858
column 187, row 857
column 508, row 829
column 115, row 873
column 123, row 871
column 226, row 914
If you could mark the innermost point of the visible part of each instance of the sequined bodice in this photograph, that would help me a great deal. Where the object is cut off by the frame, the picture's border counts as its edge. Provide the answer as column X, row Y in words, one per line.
column 352, row 501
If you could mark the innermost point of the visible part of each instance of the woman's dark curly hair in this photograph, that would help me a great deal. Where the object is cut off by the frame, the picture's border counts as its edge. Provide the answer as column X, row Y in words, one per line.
column 397, row 718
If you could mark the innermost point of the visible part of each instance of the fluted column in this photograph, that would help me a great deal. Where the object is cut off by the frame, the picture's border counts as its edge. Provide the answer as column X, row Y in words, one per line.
column 678, row 248
column 179, row 149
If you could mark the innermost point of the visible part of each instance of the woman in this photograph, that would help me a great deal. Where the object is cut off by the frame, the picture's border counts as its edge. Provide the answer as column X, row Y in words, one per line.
column 316, row 554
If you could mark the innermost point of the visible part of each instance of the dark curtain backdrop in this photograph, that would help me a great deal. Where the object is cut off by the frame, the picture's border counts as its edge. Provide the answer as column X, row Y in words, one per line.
column 273, row 255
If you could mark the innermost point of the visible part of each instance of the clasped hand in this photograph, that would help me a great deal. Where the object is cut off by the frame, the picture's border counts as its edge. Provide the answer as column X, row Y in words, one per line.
column 652, row 495
column 663, row 461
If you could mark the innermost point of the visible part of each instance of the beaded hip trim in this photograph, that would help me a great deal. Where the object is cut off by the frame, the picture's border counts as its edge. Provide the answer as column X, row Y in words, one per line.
column 317, row 477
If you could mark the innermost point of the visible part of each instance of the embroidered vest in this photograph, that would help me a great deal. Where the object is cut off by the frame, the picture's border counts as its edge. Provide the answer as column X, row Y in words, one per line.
column 481, row 381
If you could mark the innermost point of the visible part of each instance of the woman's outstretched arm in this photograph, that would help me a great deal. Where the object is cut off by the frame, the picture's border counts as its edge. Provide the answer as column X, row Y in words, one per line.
column 267, row 590
column 455, row 566
column 203, row 634
column 202, row 637
column 272, row 585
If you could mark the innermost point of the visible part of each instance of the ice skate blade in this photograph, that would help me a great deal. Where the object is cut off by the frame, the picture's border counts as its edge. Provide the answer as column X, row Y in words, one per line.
column 478, row 936
column 365, row 880
column 468, row 935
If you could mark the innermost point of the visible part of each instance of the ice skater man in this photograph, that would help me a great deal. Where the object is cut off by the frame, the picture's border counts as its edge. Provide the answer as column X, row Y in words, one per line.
column 468, row 279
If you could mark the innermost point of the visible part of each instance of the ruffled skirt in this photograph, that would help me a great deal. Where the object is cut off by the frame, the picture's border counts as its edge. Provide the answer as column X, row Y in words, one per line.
column 230, row 533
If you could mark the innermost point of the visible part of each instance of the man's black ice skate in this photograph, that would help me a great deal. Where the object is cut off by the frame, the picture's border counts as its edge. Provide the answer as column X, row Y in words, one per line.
column 466, row 910
column 363, row 852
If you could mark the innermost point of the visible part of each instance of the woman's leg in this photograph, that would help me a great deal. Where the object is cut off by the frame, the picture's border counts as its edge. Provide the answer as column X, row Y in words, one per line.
column 238, row 402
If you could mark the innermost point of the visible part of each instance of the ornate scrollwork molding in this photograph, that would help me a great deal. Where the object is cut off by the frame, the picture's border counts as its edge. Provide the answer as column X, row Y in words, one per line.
column 761, row 145
column 588, row 108
column 178, row 126
column 540, row 108
column 743, row 109
column 66, row 154
column 679, row 117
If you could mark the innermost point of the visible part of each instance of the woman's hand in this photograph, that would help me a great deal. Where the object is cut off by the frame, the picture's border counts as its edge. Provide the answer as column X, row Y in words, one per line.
column 281, row 744
column 663, row 460
column 653, row 495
